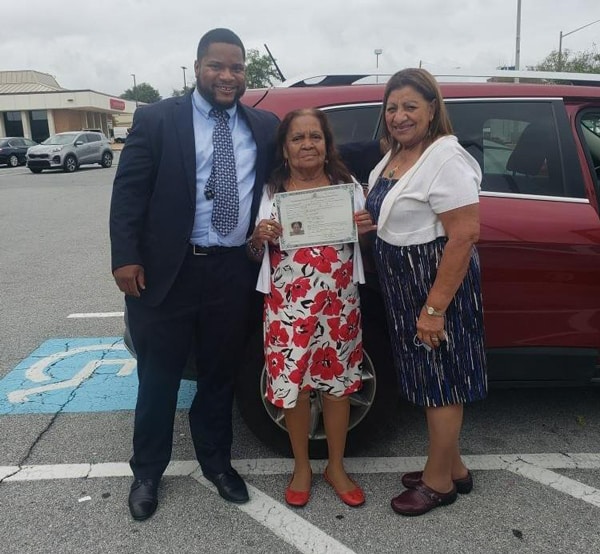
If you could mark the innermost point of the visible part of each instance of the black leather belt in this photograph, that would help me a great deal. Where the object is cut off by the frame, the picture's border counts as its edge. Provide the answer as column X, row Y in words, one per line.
column 211, row 250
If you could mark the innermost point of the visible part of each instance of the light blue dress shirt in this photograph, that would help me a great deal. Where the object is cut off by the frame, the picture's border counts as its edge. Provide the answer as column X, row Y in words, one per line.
column 244, row 148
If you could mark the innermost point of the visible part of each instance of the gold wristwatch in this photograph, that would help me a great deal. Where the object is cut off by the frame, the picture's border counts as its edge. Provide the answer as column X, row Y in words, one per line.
column 433, row 311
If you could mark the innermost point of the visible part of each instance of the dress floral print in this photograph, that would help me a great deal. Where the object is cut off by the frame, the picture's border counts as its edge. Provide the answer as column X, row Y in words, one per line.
column 313, row 336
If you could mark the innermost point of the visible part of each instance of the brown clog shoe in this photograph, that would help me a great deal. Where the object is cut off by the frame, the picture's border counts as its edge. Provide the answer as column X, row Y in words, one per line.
column 463, row 486
column 421, row 499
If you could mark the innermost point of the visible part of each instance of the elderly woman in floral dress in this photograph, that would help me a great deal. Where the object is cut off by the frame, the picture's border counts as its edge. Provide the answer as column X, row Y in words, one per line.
column 313, row 337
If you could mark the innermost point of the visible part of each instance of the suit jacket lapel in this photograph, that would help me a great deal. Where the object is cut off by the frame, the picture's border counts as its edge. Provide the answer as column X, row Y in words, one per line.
column 184, row 125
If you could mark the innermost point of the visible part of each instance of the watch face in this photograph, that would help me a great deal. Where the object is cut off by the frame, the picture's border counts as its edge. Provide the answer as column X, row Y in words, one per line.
column 430, row 310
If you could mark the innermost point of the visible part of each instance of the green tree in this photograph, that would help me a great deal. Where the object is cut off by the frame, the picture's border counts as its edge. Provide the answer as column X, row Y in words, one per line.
column 178, row 92
column 260, row 70
column 143, row 93
column 587, row 61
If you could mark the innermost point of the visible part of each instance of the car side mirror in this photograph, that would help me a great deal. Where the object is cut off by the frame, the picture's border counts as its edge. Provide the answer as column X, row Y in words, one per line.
column 78, row 142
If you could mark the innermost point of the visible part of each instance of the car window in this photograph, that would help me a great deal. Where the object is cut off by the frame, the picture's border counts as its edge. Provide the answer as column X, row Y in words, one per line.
column 18, row 143
column 29, row 142
column 589, row 128
column 354, row 123
column 92, row 137
column 82, row 138
column 516, row 144
column 60, row 139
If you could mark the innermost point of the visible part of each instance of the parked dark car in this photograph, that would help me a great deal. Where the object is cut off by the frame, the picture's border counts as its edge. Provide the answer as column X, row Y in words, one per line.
column 14, row 149
column 538, row 146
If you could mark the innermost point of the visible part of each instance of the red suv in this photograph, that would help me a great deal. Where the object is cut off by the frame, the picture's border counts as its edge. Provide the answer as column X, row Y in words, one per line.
column 538, row 146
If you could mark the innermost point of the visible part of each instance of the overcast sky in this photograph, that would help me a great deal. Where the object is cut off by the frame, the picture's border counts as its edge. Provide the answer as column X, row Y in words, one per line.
column 99, row 44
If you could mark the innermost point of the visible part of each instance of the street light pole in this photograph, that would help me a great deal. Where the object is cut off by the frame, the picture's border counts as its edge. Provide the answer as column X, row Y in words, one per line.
column 184, row 81
column 378, row 52
column 134, row 90
column 518, row 44
column 560, row 38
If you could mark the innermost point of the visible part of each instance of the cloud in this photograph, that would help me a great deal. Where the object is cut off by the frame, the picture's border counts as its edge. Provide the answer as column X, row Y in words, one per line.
column 99, row 46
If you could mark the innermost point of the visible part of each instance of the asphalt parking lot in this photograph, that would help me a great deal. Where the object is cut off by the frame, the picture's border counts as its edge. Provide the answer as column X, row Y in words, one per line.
column 67, row 389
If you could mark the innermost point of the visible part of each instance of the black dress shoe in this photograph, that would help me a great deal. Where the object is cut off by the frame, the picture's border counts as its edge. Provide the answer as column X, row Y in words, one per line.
column 230, row 485
column 143, row 498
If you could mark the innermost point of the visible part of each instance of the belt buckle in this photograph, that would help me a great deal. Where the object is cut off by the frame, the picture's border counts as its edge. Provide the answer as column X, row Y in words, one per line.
column 196, row 250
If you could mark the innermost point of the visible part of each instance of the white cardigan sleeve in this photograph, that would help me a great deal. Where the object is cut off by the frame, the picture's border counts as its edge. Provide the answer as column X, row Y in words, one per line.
column 359, row 203
column 263, row 284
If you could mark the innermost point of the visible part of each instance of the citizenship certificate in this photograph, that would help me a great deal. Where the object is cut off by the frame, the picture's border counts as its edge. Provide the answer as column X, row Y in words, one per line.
column 314, row 217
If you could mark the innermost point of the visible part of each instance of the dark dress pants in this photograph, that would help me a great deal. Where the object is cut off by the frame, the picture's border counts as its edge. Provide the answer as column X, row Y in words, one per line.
column 207, row 306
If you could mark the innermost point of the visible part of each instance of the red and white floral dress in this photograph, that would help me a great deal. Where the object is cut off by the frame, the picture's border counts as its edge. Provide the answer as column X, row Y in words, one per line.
column 313, row 335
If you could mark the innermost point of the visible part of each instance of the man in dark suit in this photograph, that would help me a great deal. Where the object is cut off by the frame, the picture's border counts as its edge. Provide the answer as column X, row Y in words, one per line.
column 184, row 201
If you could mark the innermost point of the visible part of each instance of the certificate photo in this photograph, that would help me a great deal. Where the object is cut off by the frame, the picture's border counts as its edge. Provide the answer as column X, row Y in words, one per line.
column 317, row 217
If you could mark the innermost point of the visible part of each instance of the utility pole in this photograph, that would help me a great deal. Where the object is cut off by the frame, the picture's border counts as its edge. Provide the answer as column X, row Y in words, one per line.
column 184, row 81
column 562, row 35
column 134, row 90
column 518, row 41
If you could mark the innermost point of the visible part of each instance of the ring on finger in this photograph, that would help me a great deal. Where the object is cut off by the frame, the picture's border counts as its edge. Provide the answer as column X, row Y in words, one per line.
column 435, row 339
column 269, row 227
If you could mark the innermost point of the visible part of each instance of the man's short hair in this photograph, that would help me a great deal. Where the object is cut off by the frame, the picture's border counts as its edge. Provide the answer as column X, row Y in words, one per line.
column 218, row 35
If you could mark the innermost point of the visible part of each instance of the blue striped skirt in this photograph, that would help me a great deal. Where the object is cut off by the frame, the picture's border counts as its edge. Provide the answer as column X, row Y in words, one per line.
column 454, row 373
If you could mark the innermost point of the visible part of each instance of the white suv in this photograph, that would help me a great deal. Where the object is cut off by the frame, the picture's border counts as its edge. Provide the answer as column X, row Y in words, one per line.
column 70, row 150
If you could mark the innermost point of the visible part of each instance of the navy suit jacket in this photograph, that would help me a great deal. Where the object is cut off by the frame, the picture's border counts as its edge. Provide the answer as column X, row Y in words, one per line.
column 154, row 192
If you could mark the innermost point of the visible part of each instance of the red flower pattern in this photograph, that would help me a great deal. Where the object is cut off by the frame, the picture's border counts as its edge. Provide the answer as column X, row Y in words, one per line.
column 274, row 300
column 327, row 302
column 312, row 339
column 276, row 364
column 304, row 329
column 351, row 328
column 343, row 275
column 356, row 357
column 320, row 257
column 326, row 363
column 297, row 288
column 276, row 334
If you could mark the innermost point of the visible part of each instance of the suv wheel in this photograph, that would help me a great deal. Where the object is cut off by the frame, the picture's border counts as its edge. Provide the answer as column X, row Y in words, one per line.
column 70, row 164
column 13, row 161
column 107, row 159
column 370, row 407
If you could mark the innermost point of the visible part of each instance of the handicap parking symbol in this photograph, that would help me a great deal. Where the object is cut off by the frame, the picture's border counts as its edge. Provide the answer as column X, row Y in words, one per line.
column 76, row 375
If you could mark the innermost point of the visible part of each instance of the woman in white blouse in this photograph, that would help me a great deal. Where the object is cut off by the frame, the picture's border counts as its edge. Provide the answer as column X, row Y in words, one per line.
column 423, row 196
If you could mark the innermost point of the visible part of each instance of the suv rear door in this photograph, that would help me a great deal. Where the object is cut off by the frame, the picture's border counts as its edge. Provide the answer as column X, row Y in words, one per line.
column 540, row 235
column 94, row 147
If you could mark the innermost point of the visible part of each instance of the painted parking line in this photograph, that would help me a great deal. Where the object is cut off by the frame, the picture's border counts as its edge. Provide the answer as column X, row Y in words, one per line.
column 285, row 523
column 93, row 315
column 76, row 375
column 296, row 531
column 280, row 466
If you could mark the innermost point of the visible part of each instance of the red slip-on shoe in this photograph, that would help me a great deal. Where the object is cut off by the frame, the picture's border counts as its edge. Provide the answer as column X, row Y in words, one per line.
column 353, row 498
column 297, row 499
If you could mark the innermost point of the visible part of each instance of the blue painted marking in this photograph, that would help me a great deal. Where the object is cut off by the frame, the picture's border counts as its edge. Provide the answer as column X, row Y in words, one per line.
column 76, row 375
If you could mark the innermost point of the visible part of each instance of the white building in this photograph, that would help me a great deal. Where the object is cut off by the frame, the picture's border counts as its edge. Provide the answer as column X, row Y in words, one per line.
column 34, row 105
